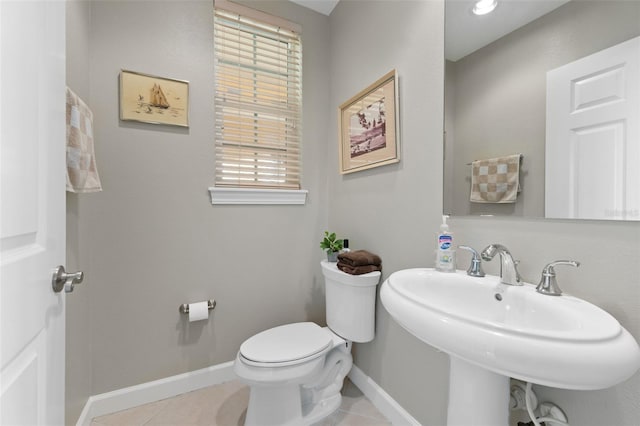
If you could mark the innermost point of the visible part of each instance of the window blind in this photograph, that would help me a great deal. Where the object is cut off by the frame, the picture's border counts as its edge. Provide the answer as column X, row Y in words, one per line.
column 258, row 102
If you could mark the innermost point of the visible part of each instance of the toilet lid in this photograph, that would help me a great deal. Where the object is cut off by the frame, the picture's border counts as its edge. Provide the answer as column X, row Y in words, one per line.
column 286, row 343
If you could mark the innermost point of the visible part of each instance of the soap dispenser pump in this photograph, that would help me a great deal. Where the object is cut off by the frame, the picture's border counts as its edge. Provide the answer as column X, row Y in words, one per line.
column 445, row 253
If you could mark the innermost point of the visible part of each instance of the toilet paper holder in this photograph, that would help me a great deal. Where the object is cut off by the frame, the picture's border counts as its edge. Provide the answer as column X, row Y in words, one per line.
column 184, row 308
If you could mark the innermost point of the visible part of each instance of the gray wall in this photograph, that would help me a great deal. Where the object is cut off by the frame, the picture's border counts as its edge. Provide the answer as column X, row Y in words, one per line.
column 395, row 211
column 152, row 240
column 499, row 103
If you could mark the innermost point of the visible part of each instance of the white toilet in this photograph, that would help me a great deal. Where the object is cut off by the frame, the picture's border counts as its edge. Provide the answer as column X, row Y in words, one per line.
column 295, row 371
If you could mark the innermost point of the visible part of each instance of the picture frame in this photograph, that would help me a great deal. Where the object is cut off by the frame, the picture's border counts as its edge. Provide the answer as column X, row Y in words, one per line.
column 152, row 99
column 369, row 127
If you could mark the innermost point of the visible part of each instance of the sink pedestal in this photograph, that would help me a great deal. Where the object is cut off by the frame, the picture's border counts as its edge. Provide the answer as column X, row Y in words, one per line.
column 477, row 397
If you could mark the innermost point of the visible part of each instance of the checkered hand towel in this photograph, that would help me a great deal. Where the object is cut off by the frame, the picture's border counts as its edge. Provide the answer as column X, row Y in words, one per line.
column 82, row 174
column 495, row 180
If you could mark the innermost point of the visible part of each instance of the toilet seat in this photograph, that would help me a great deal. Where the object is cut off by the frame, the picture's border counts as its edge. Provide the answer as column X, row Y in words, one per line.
column 286, row 345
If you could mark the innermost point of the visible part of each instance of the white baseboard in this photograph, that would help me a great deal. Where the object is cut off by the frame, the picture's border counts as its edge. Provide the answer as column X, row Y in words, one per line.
column 121, row 399
column 380, row 399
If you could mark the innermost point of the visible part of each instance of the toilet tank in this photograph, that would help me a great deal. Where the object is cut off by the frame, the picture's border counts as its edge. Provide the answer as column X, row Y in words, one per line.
column 351, row 302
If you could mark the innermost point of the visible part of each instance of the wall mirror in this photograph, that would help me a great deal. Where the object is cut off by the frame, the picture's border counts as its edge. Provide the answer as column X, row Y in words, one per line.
column 501, row 78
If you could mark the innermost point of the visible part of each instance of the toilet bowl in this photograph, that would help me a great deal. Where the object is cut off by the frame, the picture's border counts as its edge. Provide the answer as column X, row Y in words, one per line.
column 295, row 371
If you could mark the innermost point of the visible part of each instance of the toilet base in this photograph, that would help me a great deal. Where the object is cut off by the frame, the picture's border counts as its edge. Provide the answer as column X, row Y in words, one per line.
column 270, row 405
column 281, row 398
column 282, row 406
column 321, row 410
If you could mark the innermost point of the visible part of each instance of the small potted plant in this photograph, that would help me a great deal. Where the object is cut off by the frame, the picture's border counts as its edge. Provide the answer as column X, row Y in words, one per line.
column 332, row 245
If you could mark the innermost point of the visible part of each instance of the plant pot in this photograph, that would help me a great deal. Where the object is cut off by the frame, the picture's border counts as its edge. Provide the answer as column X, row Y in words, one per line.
column 332, row 256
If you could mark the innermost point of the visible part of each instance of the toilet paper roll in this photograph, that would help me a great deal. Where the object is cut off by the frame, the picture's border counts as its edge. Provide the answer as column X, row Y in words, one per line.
column 198, row 311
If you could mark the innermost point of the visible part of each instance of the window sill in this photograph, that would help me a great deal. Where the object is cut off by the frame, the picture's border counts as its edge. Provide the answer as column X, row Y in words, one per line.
column 257, row 196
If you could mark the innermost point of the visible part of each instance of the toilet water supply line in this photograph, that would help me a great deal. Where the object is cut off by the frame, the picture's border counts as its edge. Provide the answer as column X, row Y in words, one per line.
column 536, row 420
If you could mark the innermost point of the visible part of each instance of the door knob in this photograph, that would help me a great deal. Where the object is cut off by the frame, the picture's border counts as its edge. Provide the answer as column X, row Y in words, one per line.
column 61, row 279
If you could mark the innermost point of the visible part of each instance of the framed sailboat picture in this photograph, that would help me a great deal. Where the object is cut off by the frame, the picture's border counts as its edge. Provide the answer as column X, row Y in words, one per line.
column 151, row 99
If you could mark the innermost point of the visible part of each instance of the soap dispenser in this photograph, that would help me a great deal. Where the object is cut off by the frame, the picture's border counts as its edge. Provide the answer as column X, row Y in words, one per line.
column 445, row 253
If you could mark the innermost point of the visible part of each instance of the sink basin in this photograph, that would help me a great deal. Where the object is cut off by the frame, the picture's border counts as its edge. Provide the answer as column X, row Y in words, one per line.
column 494, row 331
column 561, row 341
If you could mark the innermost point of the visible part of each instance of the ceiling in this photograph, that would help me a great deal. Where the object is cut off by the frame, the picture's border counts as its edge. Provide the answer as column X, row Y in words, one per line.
column 465, row 32
column 323, row 6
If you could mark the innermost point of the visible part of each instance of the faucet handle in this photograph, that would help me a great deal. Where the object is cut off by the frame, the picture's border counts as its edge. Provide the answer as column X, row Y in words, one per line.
column 548, row 284
column 475, row 269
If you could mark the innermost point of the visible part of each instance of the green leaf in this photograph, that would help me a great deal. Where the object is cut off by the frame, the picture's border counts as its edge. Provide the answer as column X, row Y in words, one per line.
column 331, row 243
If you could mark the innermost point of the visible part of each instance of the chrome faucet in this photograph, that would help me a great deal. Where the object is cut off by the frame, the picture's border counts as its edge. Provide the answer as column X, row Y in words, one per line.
column 475, row 269
column 508, row 270
column 548, row 284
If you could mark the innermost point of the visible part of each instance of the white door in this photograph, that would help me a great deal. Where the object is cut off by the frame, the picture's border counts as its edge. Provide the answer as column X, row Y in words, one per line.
column 593, row 136
column 32, row 211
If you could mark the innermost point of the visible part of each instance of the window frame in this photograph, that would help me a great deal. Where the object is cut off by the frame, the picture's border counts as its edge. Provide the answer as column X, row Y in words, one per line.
column 241, row 194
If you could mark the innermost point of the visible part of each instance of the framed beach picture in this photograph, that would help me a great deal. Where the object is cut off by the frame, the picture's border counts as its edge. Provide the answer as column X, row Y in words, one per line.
column 151, row 99
column 368, row 125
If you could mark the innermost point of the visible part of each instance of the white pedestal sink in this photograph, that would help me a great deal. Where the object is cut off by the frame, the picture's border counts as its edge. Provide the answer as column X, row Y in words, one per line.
column 493, row 331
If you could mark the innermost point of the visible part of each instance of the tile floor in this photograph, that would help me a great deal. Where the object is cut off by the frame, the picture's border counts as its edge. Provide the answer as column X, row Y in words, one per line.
column 226, row 404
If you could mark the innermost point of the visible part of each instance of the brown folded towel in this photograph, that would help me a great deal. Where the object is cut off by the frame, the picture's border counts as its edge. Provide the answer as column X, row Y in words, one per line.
column 359, row 258
column 358, row 270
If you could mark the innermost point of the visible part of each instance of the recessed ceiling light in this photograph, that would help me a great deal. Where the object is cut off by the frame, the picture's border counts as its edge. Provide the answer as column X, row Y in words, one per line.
column 483, row 7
